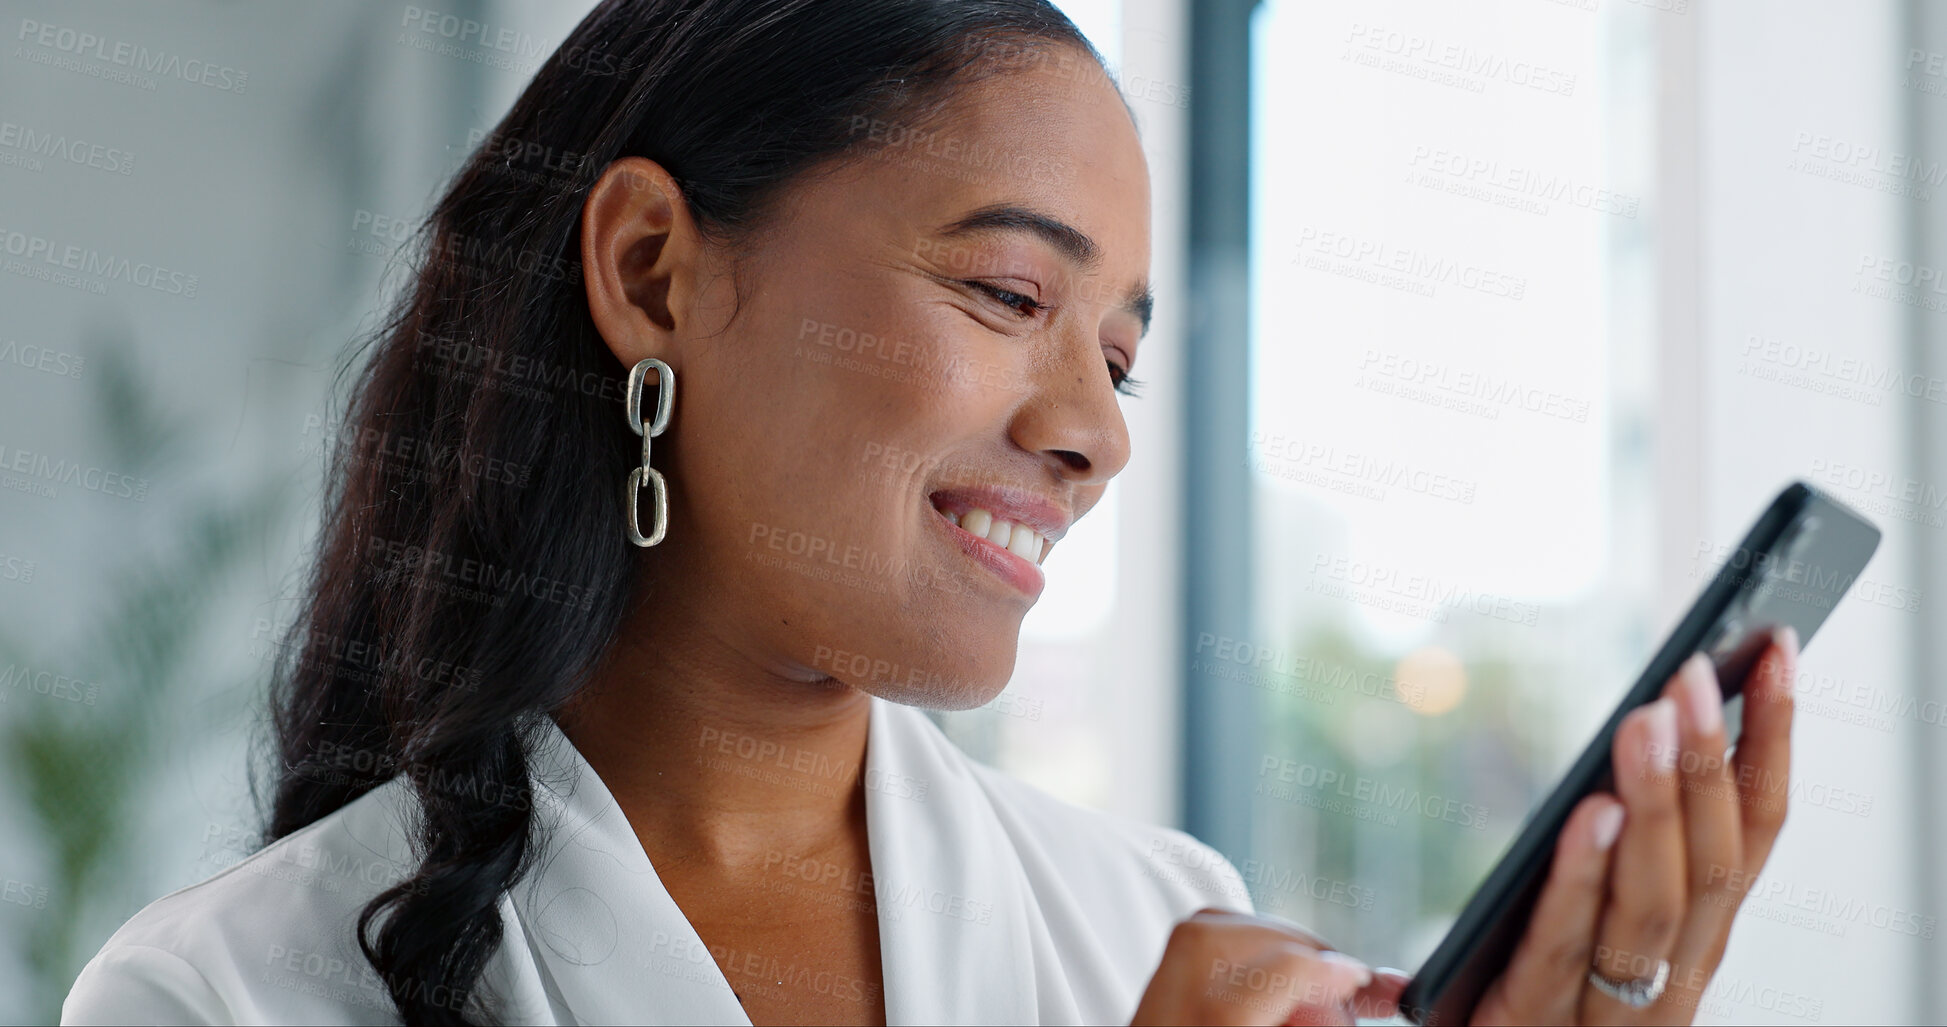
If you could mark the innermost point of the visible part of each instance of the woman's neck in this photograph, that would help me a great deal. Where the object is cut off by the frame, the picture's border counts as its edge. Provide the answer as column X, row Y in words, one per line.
column 718, row 761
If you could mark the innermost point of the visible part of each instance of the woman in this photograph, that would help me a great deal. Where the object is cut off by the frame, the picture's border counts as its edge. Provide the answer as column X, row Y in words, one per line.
column 754, row 364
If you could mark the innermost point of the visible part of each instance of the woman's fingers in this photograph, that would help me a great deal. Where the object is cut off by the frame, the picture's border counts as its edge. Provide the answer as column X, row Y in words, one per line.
column 1380, row 999
column 1727, row 846
column 1648, row 890
column 1291, row 927
column 1545, row 979
column 1696, row 827
column 1713, row 826
column 1221, row 967
column 1762, row 763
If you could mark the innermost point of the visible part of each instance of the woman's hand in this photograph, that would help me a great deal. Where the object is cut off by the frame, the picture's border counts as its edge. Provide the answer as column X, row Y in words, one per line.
column 1232, row 968
column 1659, row 874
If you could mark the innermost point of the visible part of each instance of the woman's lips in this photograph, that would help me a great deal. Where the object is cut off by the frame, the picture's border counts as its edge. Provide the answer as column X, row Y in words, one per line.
column 1045, row 515
column 1017, row 570
column 1016, row 538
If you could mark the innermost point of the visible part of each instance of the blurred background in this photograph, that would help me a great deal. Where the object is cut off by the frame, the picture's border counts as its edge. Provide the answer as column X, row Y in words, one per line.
column 1481, row 331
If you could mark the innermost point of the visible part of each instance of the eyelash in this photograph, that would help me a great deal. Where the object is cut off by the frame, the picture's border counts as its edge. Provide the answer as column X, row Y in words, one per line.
column 1010, row 299
column 1119, row 377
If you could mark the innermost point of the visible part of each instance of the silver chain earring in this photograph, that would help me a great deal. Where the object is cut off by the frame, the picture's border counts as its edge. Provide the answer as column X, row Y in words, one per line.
column 647, row 475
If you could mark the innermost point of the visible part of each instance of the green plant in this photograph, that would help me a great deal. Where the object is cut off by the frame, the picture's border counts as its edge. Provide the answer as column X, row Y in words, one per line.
column 79, row 765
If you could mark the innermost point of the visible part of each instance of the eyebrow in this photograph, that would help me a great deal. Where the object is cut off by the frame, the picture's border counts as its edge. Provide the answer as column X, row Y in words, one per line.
column 1069, row 241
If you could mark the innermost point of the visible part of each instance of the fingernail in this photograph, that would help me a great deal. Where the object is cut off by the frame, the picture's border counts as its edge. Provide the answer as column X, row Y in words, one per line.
column 1662, row 718
column 1788, row 637
column 1701, row 698
column 1349, row 962
column 1608, row 824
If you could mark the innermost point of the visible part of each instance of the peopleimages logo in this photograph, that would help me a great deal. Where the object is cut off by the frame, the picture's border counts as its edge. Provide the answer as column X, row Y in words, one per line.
column 414, row 566
column 1417, row 270
column 94, row 263
column 1414, row 593
column 17, row 677
column 1492, row 392
column 40, row 358
column 38, row 473
column 846, row 562
column 1469, row 67
column 1308, row 782
column 1870, row 158
column 14, row 568
column 55, row 146
column 499, row 46
column 73, row 45
column 1836, row 373
column 1521, row 185
column 1289, row 457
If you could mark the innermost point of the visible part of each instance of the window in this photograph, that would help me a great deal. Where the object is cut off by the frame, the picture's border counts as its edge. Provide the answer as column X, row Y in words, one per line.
column 1448, row 442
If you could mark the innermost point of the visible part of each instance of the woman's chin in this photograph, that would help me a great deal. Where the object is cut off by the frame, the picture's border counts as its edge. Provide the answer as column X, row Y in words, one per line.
column 943, row 691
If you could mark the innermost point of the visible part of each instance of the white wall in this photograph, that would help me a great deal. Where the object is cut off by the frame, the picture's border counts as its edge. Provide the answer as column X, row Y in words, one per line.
column 1779, row 242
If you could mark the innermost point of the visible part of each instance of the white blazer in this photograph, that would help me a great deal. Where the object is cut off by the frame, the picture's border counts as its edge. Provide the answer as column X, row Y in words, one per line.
column 997, row 903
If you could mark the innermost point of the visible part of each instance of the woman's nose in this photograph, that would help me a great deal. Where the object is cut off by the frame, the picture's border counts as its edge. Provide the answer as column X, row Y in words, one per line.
column 1071, row 416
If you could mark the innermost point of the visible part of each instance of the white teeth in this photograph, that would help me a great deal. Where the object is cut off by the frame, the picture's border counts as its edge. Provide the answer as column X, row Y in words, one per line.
column 1018, row 539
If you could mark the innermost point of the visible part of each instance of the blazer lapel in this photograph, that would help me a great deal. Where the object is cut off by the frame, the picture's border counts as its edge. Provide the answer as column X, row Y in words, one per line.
column 608, row 938
column 961, row 935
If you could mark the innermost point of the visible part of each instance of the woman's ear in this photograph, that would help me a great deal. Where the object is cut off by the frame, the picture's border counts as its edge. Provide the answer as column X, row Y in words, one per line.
column 639, row 255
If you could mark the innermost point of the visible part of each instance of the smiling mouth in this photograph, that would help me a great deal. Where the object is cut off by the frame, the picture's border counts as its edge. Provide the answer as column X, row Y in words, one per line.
column 1018, row 539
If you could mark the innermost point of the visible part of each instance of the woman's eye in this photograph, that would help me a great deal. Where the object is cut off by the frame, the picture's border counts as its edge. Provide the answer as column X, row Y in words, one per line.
column 1026, row 306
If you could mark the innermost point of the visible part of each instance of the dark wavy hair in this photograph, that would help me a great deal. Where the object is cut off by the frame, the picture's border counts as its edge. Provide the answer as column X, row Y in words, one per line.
column 473, row 570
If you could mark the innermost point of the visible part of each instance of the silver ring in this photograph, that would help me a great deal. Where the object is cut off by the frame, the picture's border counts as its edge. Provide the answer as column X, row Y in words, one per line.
column 1640, row 993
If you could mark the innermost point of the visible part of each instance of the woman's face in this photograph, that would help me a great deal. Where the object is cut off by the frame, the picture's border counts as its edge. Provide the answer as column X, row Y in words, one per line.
column 925, row 336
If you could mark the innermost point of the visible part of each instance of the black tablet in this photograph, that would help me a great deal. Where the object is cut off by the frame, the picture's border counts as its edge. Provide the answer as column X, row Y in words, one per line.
column 1801, row 557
